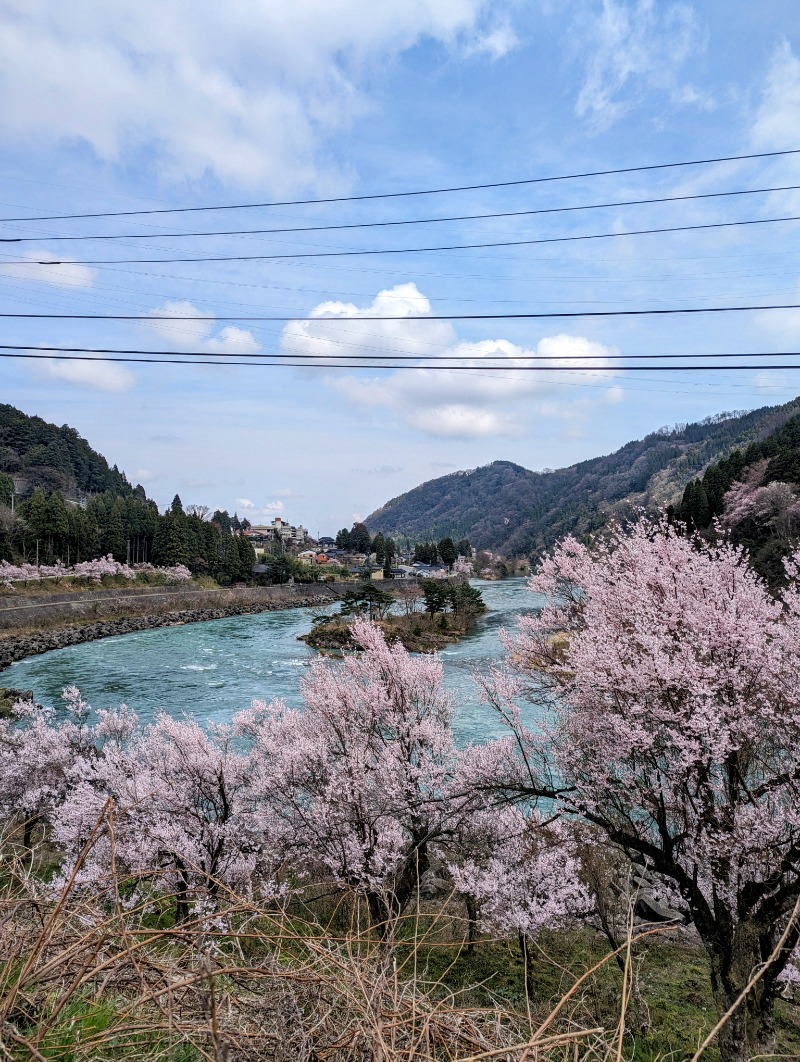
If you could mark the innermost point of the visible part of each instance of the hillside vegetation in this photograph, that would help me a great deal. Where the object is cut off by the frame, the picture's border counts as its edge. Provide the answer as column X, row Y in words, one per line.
column 754, row 492
column 38, row 454
column 507, row 508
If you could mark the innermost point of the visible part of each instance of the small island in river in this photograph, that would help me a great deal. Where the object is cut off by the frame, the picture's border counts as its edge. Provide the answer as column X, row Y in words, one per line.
column 423, row 617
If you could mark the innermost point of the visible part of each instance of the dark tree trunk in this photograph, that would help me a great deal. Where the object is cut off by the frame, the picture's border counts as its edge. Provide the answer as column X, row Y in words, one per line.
column 472, row 923
column 27, row 830
column 525, row 950
column 750, row 1030
column 181, row 892
column 380, row 915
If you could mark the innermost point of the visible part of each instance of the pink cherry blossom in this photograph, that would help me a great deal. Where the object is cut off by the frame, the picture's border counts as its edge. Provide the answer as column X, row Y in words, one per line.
column 668, row 695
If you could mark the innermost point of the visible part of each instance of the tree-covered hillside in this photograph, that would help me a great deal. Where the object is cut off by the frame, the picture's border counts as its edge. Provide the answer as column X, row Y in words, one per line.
column 71, row 506
column 510, row 509
column 754, row 493
column 38, row 454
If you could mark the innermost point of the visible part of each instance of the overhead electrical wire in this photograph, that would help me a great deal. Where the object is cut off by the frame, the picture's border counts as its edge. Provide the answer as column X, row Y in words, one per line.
column 222, row 360
column 420, row 360
column 413, row 192
column 404, row 221
column 177, row 319
column 358, row 252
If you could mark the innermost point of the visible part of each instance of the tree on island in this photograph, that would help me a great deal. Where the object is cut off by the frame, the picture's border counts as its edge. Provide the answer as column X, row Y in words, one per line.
column 673, row 727
column 366, row 599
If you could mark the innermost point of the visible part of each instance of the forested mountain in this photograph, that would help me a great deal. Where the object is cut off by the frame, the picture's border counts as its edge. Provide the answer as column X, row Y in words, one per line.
column 38, row 454
column 71, row 506
column 507, row 508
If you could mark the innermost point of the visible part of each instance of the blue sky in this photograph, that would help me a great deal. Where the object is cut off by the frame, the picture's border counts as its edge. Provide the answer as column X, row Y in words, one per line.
column 154, row 103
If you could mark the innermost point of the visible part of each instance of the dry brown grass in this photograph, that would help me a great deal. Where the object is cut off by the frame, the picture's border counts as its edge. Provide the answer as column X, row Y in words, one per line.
column 92, row 974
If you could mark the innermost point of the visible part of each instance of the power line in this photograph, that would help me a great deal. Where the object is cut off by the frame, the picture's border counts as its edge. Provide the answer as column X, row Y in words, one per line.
column 420, row 360
column 411, row 221
column 396, row 317
column 449, row 368
column 409, row 250
column 414, row 192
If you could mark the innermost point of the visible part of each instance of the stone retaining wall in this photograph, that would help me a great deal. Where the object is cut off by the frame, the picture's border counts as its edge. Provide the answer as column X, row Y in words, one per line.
column 234, row 602
column 93, row 605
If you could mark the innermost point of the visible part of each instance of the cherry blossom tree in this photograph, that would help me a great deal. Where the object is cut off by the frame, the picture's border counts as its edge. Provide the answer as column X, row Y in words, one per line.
column 669, row 717
column 360, row 778
column 519, row 875
column 464, row 567
column 41, row 759
column 92, row 570
column 776, row 504
column 184, row 813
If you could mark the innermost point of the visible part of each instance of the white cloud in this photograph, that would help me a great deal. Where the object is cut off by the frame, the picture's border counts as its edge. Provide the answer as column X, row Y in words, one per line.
column 462, row 422
column 615, row 395
column 778, row 117
column 495, row 43
column 273, row 507
column 777, row 121
column 184, row 332
column 94, row 373
column 326, row 338
column 283, row 492
column 637, row 46
column 244, row 503
column 769, row 383
column 378, row 470
column 782, row 326
column 248, row 92
column 190, row 328
column 232, row 340
column 456, row 403
column 67, row 274
column 145, row 475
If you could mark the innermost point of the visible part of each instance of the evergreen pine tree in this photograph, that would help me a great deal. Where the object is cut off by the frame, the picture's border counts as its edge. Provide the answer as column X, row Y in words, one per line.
column 247, row 558
column 447, row 551
column 115, row 541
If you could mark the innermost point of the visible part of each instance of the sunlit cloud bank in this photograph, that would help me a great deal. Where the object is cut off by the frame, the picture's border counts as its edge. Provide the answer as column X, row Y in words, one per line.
column 482, row 402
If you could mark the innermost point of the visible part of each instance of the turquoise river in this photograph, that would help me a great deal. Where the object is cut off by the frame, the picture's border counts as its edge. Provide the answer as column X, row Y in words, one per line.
column 211, row 670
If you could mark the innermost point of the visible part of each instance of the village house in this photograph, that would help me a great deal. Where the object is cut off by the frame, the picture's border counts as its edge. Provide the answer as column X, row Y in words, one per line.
column 279, row 533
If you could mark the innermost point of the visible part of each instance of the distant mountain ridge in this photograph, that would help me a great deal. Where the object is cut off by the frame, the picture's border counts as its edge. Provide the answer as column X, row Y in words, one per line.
column 510, row 509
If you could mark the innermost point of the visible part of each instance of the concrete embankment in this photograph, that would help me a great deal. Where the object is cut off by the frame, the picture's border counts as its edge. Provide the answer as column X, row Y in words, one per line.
column 30, row 626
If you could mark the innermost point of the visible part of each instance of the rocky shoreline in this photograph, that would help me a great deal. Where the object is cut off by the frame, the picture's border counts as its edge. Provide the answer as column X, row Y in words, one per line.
column 43, row 641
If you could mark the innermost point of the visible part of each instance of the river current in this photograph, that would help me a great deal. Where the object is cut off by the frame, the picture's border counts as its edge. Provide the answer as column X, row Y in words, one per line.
column 211, row 670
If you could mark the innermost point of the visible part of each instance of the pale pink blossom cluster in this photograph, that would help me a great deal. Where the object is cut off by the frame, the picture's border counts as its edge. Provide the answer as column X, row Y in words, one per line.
column 522, row 875
column 176, row 573
column 464, row 567
column 663, row 708
column 364, row 788
column 358, row 781
column 776, row 504
column 93, row 570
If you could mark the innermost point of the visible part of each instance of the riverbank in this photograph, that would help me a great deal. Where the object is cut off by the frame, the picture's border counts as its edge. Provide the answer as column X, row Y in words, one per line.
column 29, row 628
